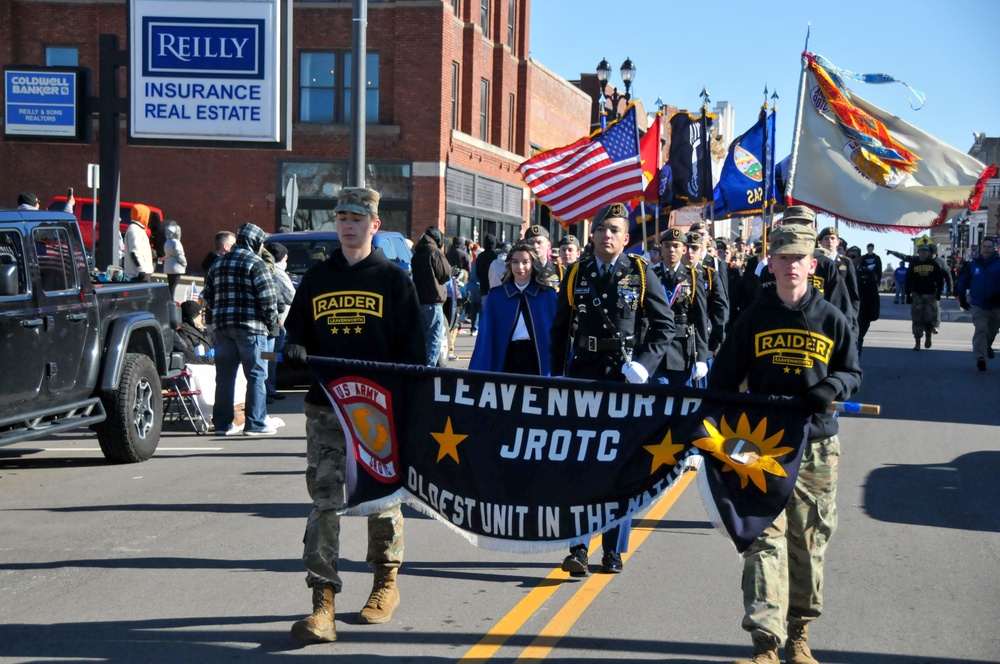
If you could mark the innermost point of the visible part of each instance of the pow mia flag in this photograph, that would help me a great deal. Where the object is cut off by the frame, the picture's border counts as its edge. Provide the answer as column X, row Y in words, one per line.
column 528, row 463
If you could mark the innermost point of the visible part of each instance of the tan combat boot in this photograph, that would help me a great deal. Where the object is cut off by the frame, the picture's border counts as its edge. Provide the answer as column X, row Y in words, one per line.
column 797, row 646
column 384, row 598
column 319, row 626
column 765, row 651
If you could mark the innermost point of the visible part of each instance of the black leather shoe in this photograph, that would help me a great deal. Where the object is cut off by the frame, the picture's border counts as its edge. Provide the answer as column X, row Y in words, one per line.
column 277, row 396
column 981, row 365
column 611, row 563
column 576, row 563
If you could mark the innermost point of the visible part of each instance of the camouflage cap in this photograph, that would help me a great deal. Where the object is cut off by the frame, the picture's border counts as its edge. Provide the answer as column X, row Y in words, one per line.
column 798, row 214
column 359, row 200
column 793, row 239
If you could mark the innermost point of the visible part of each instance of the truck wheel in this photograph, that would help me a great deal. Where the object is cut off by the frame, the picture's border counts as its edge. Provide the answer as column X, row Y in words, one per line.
column 135, row 413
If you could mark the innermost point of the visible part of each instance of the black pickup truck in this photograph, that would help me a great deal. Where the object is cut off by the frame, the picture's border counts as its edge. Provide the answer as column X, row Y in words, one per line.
column 75, row 353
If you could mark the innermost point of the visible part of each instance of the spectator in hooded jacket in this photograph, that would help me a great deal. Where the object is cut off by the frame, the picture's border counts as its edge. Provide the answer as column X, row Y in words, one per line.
column 241, row 293
column 138, row 263
column 174, row 261
column 431, row 272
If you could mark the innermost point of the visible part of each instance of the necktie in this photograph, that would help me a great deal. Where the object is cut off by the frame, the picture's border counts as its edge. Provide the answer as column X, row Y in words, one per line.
column 605, row 273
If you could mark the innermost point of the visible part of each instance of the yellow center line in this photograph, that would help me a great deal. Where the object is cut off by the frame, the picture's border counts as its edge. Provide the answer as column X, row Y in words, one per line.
column 561, row 623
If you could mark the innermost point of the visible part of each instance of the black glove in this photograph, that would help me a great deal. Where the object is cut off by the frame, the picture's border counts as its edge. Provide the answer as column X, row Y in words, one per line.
column 294, row 356
column 909, row 299
column 963, row 303
column 819, row 397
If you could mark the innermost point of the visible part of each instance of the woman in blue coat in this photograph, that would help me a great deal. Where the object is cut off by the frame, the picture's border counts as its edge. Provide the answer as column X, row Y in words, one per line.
column 514, row 330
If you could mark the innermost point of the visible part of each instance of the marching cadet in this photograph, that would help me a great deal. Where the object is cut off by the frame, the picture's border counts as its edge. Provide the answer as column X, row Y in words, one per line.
column 713, row 288
column 538, row 238
column 687, row 355
column 924, row 283
column 569, row 251
column 830, row 241
column 619, row 330
column 783, row 568
column 826, row 277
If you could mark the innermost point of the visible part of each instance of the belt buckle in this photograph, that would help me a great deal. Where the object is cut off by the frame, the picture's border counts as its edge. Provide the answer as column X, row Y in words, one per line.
column 592, row 344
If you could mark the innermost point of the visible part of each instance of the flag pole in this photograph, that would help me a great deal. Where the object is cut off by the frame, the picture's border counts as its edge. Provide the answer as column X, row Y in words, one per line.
column 642, row 199
column 706, row 181
column 799, row 109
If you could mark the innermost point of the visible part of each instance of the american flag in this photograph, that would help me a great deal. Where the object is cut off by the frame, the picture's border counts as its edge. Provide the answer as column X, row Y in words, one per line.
column 577, row 179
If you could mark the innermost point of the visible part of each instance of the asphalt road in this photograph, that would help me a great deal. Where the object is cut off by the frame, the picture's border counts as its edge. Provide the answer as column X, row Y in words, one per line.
column 194, row 555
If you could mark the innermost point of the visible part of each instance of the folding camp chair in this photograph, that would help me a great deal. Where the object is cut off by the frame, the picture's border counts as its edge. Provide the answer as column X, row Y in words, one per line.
column 180, row 402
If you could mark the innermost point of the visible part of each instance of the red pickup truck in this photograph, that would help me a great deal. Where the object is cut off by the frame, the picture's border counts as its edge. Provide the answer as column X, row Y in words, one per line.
column 84, row 213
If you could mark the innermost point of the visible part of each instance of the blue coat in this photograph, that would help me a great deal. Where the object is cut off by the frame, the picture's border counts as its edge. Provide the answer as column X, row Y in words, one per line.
column 497, row 325
column 982, row 279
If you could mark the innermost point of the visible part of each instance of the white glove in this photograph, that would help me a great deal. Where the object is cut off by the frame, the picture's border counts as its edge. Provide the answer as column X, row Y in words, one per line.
column 635, row 372
column 699, row 371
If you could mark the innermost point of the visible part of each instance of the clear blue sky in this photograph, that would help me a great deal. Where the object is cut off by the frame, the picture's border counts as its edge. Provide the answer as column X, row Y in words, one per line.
column 947, row 50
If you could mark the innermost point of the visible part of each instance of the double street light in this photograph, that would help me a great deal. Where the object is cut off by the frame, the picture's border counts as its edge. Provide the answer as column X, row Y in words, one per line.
column 604, row 75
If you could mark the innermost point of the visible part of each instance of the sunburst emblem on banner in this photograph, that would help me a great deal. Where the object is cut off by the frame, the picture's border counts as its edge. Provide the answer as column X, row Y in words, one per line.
column 746, row 451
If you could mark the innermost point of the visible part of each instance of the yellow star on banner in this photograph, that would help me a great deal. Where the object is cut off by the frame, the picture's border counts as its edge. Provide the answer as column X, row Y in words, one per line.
column 357, row 329
column 664, row 453
column 448, row 440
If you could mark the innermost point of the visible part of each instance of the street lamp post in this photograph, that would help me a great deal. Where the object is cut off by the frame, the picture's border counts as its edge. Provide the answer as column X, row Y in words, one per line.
column 604, row 75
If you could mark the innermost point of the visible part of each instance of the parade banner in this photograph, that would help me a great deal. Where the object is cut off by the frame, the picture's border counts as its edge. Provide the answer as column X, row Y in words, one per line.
column 689, row 159
column 526, row 463
column 574, row 181
column 865, row 166
column 744, row 187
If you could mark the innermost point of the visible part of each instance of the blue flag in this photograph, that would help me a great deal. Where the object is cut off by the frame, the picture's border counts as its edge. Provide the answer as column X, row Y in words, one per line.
column 746, row 184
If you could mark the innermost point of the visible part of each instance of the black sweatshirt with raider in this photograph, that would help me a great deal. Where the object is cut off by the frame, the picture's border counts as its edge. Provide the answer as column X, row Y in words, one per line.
column 787, row 350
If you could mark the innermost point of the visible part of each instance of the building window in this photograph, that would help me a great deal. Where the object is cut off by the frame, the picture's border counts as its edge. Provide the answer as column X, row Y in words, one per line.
column 484, row 110
column 62, row 56
column 325, row 87
column 457, row 5
column 484, row 17
column 317, row 87
column 456, row 73
column 371, row 88
column 511, row 16
column 510, row 122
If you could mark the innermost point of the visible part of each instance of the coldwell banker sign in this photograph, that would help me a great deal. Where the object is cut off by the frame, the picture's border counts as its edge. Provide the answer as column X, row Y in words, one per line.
column 212, row 71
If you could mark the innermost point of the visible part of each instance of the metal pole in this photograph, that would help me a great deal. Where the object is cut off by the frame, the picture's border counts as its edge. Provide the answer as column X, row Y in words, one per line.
column 359, row 90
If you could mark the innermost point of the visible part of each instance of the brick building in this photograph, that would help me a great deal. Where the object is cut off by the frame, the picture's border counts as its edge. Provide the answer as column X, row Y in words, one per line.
column 454, row 104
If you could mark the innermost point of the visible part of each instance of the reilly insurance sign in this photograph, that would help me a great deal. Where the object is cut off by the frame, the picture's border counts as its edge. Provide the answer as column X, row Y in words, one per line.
column 211, row 71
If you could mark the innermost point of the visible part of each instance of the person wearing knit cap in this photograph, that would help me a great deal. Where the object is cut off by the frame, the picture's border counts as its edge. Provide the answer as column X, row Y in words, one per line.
column 138, row 261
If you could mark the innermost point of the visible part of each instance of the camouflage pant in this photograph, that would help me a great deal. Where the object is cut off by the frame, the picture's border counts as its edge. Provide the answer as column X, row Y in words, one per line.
column 326, row 454
column 924, row 313
column 783, row 568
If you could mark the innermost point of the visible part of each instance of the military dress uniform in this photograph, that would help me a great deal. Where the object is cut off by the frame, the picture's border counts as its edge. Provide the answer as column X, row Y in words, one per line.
column 687, row 302
column 552, row 274
column 617, row 319
column 602, row 322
